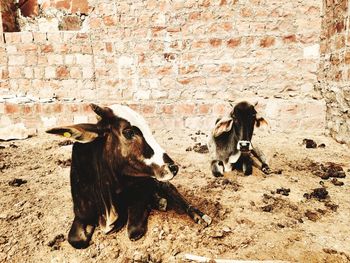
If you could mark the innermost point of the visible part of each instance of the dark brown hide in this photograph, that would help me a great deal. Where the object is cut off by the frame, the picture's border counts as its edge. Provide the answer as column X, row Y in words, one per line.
column 111, row 183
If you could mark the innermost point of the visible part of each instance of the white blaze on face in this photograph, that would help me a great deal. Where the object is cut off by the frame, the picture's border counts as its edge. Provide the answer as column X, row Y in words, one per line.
column 138, row 121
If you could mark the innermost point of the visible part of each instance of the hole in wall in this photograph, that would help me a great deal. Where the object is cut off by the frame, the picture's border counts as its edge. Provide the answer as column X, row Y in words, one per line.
column 43, row 15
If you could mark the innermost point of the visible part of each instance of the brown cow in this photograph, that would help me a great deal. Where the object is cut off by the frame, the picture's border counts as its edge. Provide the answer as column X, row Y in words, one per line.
column 118, row 173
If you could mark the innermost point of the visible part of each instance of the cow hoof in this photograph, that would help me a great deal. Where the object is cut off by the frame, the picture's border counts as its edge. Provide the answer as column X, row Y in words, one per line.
column 266, row 169
column 78, row 244
column 136, row 233
column 162, row 204
column 207, row 219
column 80, row 234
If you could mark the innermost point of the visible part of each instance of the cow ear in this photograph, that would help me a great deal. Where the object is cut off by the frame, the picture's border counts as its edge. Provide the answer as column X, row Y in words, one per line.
column 223, row 125
column 260, row 121
column 79, row 132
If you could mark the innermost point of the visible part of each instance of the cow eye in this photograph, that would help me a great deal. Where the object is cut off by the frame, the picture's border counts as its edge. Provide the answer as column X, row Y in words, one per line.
column 128, row 134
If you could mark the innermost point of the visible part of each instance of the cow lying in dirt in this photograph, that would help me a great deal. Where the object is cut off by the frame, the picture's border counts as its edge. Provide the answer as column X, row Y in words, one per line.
column 118, row 173
column 230, row 143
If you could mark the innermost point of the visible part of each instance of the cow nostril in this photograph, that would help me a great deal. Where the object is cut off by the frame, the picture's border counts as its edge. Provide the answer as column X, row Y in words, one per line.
column 173, row 168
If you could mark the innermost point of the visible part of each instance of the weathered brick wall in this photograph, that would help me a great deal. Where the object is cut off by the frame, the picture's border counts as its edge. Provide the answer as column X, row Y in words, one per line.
column 181, row 59
column 334, row 75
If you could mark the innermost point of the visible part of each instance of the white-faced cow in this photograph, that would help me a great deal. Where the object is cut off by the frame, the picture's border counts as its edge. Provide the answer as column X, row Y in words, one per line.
column 230, row 142
column 118, row 173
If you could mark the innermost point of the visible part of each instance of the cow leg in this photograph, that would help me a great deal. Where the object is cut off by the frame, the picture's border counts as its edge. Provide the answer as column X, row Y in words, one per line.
column 139, row 202
column 257, row 153
column 122, row 215
column 80, row 233
column 158, row 202
column 217, row 168
column 247, row 165
column 174, row 197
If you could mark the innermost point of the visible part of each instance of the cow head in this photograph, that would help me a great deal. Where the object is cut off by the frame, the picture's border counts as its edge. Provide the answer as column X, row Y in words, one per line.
column 241, row 121
column 129, row 146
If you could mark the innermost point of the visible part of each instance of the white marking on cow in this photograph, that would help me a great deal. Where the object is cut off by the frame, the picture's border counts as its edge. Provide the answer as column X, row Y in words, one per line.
column 137, row 120
column 228, row 167
column 109, row 218
column 234, row 158
column 221, row 169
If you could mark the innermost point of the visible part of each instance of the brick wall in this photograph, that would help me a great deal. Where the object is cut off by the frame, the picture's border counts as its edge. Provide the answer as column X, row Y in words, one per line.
column 334, row 75
column 181, row 59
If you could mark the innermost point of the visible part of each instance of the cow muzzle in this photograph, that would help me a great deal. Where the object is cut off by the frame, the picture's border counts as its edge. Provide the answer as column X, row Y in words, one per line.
column 166, row 172
column 244, row 146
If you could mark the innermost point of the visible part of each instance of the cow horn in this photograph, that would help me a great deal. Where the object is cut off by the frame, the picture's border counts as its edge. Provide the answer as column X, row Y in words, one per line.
column 102, row 112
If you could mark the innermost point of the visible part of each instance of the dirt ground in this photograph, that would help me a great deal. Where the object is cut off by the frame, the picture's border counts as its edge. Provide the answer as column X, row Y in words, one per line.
column 252, row 219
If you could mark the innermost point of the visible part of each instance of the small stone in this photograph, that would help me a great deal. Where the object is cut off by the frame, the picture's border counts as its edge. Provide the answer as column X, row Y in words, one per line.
column 226, row 229
column 313, row 216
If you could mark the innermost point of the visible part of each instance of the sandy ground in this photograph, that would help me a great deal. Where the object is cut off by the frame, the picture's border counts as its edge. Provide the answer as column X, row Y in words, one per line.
column 250, row 219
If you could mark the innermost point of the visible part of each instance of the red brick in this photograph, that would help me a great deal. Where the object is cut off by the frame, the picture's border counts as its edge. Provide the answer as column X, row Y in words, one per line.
column 110, row 20
column 246, row 12
column 220, row 109
column 227, row 26
column 215, row 42
column 148, row 109
column 184, row 81
column 204, row 108
column 199, row 43
column 340, row 42
column 340, row 26
column 28, row 48
column 70, row 23
column 185, row 109
column 135, row 107
column 63, row 4
column 173, row 29
column 95, row 23
column 87, row 108
column 81, row 6
column 167, row 70
column 62, row 72
column 47, row 48
column 347, row 58
column 290, row 39
column 205, row 3
column 167, row 109
column 27, row 109
column 11, row 108
column 194, row 16
column 267, row 42
column 225, row 68
column 109, row 47
column 188, row 69
column 234, row 42
column 73, row 107
column 4, row 74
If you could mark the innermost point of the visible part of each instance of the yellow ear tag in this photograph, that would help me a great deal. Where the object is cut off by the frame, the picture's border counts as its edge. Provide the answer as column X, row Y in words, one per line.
column 67, row 134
